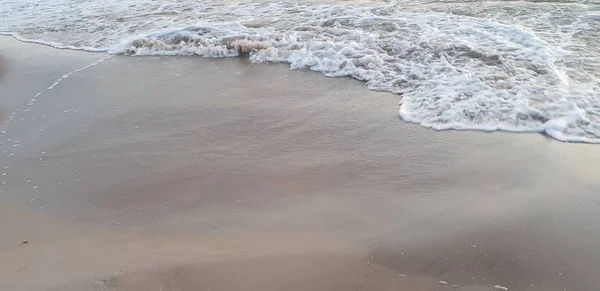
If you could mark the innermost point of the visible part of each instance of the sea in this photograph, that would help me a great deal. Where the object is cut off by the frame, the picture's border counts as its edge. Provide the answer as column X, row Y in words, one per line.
column 518, row 66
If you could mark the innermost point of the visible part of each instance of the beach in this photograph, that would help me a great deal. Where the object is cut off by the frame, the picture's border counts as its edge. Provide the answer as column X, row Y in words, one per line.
column 189, row 173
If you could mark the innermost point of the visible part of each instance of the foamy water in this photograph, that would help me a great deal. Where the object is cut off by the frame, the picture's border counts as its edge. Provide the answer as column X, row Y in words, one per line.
column 514, row 66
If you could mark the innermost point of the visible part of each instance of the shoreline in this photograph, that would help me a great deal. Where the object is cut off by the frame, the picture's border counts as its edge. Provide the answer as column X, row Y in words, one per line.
column 552, row 131
column 184, row 172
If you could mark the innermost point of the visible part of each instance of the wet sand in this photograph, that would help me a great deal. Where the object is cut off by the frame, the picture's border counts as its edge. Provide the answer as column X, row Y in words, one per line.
column 178, row 173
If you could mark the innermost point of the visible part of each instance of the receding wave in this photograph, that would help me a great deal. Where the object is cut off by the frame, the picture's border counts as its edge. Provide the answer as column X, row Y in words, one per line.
column 522, row 70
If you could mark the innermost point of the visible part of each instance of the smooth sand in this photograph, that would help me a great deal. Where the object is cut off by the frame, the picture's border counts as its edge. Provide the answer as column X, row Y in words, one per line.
column 183, row 173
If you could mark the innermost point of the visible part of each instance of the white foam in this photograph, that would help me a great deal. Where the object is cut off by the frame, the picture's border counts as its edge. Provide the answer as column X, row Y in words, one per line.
column 53, row 44
column 530, row 71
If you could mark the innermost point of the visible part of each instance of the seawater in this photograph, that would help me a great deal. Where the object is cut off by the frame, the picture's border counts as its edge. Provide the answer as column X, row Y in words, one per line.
column 522, row 66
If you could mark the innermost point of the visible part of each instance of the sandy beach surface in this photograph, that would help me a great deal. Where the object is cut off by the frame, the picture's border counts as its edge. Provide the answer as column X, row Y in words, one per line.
column 185, row 173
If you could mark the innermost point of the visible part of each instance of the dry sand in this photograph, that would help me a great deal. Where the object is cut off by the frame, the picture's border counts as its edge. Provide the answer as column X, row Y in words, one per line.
column 217, row 174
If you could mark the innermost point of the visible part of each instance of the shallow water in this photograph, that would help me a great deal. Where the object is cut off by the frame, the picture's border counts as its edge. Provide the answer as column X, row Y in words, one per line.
column 483, row 65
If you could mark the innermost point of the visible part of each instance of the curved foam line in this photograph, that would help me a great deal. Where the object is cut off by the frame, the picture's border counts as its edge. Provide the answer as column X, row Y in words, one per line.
column 53, row 44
